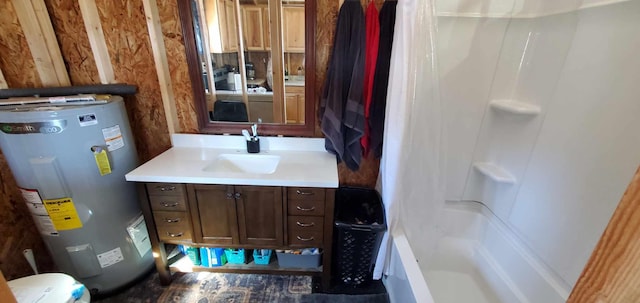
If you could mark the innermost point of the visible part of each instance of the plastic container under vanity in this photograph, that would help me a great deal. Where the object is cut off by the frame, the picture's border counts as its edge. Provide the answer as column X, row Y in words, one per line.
column 253, row 146
column 289, row 260
column 212, row 257
column 262, row 256
column 236, row 256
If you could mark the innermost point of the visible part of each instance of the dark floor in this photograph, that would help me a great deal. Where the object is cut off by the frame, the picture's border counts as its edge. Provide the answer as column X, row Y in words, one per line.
column 147, row 289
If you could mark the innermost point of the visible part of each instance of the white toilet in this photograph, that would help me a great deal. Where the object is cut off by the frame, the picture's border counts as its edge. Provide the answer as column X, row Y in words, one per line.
column 49, row 288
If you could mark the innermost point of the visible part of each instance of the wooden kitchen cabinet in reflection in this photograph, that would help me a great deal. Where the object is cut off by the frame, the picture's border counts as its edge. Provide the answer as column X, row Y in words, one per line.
column 253, row 24
column 293, row 28
column 221, row 21
column 294, row 104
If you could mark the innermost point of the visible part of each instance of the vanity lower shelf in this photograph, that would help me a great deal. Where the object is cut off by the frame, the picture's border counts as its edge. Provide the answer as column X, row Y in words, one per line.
column 184, row 264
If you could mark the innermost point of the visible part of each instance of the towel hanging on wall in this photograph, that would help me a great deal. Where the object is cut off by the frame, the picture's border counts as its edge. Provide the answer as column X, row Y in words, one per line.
column 371, row 56
column 381, row 77
column 341, row 106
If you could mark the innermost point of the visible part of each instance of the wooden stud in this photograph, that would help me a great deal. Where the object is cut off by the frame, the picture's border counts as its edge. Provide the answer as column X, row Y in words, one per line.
column 93, row 27
column 277, row 60
column 36, row 25
column 207, row 58
column 613, row 272
column 3, row 82
column 241, row 58
column 162, row 65
column 6, row 295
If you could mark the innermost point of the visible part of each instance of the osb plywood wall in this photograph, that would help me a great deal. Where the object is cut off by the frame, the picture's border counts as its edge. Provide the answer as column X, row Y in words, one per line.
column 126, row 35
column 327, row 14
column 129, row 47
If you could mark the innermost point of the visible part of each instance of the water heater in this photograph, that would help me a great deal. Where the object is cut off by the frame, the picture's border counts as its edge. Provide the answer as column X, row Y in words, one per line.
column 69, row 158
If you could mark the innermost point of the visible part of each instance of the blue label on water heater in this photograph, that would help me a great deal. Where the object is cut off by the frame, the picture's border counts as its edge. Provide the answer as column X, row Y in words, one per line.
column 45, row 127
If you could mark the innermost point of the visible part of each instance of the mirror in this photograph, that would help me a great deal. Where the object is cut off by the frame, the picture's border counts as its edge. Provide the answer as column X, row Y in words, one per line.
column 251, row 60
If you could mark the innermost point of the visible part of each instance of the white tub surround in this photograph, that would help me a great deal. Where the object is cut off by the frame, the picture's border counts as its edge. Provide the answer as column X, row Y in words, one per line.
column 193, row 159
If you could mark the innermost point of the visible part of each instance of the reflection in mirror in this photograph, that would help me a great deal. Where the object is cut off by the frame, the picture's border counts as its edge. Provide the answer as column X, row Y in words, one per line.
column 212, row 47
column 260, row 82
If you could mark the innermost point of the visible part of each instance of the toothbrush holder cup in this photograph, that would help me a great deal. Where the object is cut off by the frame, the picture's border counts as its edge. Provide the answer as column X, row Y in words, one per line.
column 253, row 146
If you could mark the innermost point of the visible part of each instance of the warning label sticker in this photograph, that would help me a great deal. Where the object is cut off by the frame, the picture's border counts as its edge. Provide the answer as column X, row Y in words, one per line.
column 113, row 137
column 111, row 257
column 39, row 212
column 63, row 213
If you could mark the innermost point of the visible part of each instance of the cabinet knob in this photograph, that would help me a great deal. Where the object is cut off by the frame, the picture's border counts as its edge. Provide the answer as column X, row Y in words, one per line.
column 229, row 195
column 172, row 235
column 238, row 195
column 165, row 204
column 300, row 208
column 304, row 193
column 168, row 220
column 305, row 224
column 305, row 239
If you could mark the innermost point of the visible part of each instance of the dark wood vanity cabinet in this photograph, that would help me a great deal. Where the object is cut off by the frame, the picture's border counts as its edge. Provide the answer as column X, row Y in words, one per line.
column 233, row 216
column 237, row 215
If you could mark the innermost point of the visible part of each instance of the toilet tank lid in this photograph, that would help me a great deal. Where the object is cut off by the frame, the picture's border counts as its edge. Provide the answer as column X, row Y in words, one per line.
column 44, row 288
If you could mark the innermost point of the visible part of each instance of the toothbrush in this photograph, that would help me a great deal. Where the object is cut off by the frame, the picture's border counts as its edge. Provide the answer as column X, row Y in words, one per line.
column 254, row 129
column 246, row 135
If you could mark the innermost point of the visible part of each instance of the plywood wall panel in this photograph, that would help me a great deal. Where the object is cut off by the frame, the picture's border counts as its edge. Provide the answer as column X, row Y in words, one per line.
column 174, row 44
column 326, row 16
column 16, row 224
column 127, row 38
column 73, row 40
column 16, row 61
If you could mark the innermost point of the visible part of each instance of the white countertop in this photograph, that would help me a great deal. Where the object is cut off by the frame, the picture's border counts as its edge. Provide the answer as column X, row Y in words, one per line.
column 303, row 162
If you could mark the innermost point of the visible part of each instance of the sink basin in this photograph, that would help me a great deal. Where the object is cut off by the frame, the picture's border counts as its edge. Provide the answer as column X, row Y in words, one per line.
column 244, row 163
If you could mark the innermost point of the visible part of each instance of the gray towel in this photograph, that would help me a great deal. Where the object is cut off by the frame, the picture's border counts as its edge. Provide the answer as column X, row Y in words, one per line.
column 341, row 106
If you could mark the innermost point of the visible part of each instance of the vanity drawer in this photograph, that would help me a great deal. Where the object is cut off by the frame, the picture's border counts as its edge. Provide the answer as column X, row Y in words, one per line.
column 305, row 238
column 172, row 225
column 305, row 223
column 306, row 207
column 165, row 189
column 305, row 194
column 168, row 203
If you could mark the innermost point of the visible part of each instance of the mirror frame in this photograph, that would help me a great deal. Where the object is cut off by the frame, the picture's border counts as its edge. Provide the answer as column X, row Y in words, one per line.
column 206, row 126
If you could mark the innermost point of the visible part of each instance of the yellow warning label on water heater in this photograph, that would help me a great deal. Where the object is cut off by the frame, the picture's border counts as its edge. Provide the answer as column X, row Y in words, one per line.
column 102, row 160
column 63, row 213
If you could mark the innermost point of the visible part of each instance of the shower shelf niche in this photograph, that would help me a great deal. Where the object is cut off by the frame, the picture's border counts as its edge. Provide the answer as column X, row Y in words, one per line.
column 515, row 107
column 495, row 172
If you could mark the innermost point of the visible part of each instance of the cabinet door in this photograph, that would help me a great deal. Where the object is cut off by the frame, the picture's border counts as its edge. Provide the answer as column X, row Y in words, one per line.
column 214, row 215
column 252, row 28
column 291, row 108
column 231, row 39
column 260, row 218
column 293, row 28
column 266, row 26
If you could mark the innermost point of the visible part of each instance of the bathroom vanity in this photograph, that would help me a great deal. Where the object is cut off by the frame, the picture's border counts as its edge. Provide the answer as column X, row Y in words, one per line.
column 207, row 191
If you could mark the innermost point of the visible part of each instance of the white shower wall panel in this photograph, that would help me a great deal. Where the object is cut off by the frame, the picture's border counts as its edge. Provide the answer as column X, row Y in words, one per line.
column 531, row 59
column 588, row 146
column 468, row 50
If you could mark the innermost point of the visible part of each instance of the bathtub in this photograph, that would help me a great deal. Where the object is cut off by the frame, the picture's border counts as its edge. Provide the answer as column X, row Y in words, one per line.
column 477, row 259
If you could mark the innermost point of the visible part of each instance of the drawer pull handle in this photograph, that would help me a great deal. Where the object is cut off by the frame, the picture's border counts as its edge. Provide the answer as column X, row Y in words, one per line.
column 312, row 208
column 165, row 204
column 178, row 235
column 305, row 239
column 304, row 193
column 305, row 224
column 166, row 188
column 176, row 220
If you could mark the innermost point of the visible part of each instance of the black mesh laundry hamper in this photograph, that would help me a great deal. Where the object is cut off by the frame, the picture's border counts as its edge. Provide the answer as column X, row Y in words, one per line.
column 359, row 227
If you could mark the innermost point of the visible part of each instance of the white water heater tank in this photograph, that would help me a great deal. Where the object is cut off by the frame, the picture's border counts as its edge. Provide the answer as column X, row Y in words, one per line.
column 69, row 160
